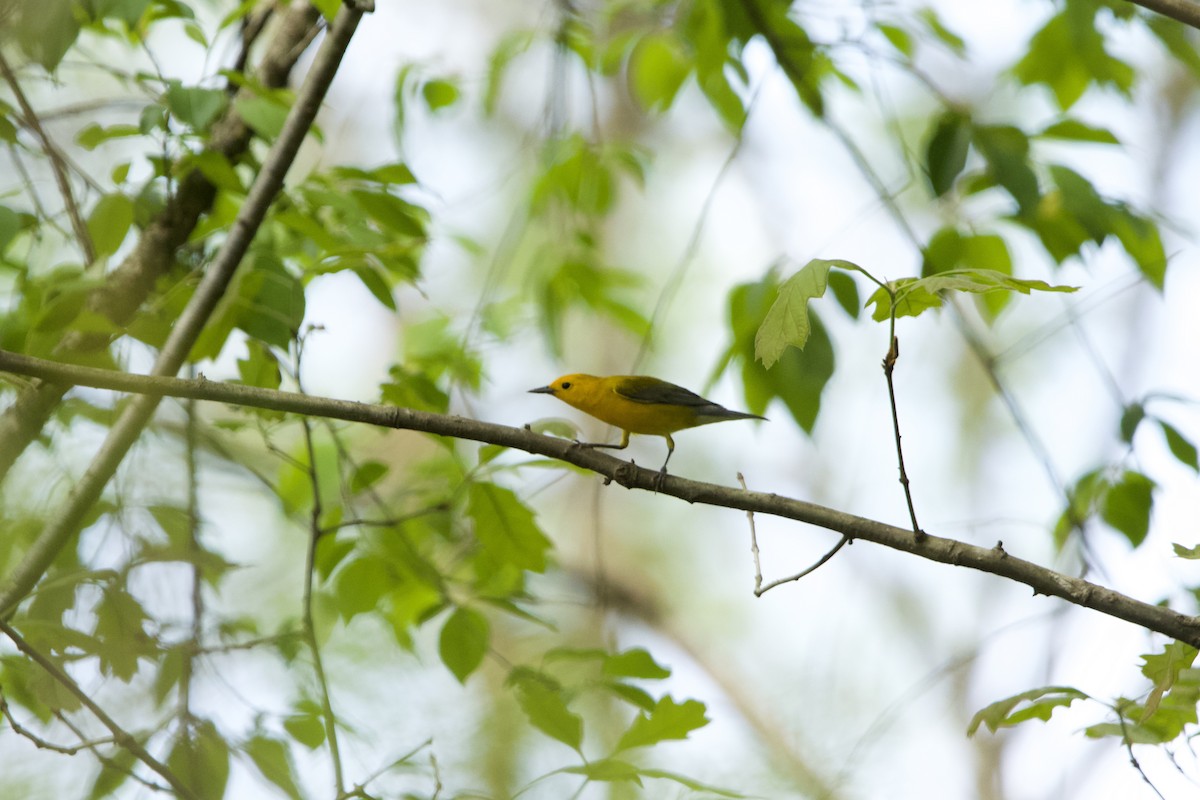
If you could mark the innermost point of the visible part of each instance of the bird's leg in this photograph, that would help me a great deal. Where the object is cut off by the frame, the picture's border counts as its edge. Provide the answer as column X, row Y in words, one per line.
column 594, row 445
column 662, row 473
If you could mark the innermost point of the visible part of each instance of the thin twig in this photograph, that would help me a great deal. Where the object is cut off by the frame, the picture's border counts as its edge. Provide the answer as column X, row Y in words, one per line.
column 62, row 526
column 109, row 761
column 889, row 365
column 120, row 736
column 994, row 560
column 759, row 589
column 56, row 158
column 310, row 567
column 42, row 744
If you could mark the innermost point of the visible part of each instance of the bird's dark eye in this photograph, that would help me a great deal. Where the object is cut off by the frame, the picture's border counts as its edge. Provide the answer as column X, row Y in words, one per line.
column 566, row 384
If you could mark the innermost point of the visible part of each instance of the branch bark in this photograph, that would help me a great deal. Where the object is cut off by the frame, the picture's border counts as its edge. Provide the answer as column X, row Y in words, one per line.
column 995, row 560
column 64, row 524
column 1185, row 11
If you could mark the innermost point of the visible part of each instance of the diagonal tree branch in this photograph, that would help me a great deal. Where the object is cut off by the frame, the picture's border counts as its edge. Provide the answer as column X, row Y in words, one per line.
column 122, row 737
column 127, row 287
column 125, row 431
column 1185, row 11
column 995, row 560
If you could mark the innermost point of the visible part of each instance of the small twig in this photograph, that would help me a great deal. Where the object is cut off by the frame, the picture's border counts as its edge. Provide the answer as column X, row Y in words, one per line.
column 42, row 744
column 57, row 161
column 310, row 631
column 759, row 589
column 889, row 365
column 1125, row 740
column 108, row 761
column 121, row 737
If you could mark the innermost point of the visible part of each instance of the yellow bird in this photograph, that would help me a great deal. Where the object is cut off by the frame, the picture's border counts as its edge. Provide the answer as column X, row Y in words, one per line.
column 638, row 404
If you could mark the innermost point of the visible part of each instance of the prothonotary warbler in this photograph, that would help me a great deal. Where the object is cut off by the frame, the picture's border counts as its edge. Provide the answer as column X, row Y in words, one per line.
column 639, row 404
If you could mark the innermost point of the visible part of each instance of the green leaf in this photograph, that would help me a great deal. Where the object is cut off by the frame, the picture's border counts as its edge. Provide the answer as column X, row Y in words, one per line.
column 1006, row 149
column 667, row 720
column 845, row 291
column 360, row 585
column 505, row 527
column 366, row 475
column 1127, row 506
column 1076, row 131
column 264, row 115
column 1035, row 704
column 114, row 771
column 544, row 703
column 1187, row 552
column 439, row 94
column 1180, row 447
column 306, row 725
column 636, row 663
column 92, row 136
column 607, row 769
column 120, row 634
column 193, row 106
column 273, row 761
column 463, row 642
column 201, row 761
column 44, row 31
column 658, row 66
column 1131, row 418
column 259, row 367
column 109, row 223
column 898, row 38
column 915, row 295
column 949, row 38
column 787, row 322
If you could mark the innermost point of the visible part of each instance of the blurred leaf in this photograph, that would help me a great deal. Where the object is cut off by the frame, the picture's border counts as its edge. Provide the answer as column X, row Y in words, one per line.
column 93, row 135
column 463, row 642
column 658, row 66
column 44, row 30
column 667, row 720
column 1035, row 704
column 1076, row 131
column 845, row 291
column 898, row 38
column 439, row 94
column 505, row 527
column 1187, row 552
column 367, row 475
column 114, row 772
column 305, row 725
column 360, row 585
column 607, row 769
column 544, row 703
column 949, row 38
column 109, row 222
column 1180, row 447
column 194, row 106
column 946, row 153
column 260, row 367
column 273, row 760
column 264, row 115
column 120, row 634
column 1006, row 150
column 1131, row 418
column 201, row 761
column 1127, row 506
column 636, row 663
column 1178, row 39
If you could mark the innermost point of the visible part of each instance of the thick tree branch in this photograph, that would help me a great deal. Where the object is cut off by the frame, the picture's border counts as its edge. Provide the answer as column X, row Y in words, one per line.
column 64, row 524
column 127, row 287
column 1186, row 11
column 994, row 560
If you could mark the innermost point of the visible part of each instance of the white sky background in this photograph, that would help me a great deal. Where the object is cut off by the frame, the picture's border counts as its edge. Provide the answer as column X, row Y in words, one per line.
column 845, row 649
column 846, row 662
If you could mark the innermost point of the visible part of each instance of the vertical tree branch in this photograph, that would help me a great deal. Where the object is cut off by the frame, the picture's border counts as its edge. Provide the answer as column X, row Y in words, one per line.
column 62, row 526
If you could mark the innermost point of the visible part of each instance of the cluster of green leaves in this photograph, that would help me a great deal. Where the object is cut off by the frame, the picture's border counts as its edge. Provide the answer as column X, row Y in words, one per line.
column 1165, row 714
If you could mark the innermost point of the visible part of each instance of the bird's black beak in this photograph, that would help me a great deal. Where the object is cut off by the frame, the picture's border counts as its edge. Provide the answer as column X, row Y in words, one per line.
column 542, row 390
